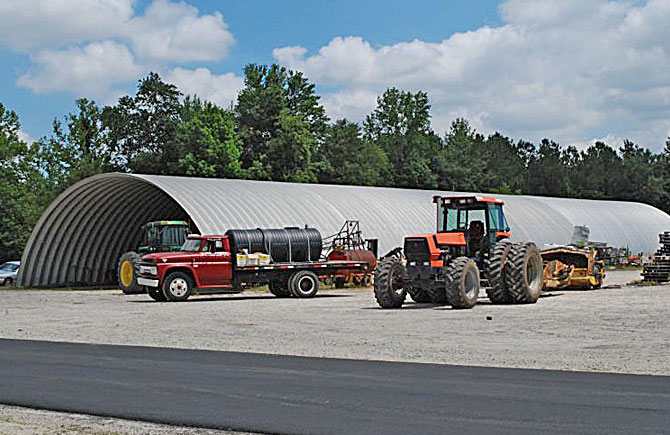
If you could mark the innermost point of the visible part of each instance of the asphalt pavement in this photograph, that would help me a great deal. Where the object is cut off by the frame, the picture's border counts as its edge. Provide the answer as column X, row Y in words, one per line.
column 283, row 394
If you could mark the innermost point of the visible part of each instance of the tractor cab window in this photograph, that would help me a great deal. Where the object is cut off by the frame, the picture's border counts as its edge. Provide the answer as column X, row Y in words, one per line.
column 173, row 235
column 459, row 219
column 191, row 245
column 497, row 218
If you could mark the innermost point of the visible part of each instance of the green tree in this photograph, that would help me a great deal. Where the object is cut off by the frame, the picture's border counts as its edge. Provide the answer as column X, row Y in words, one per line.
column 22, row 186
column 459, row 163
column 143, row 127
column 347, row 158
column 400, row 125
column 270, row 96
column 547, row 174
column 289, row 153
column 206, row 141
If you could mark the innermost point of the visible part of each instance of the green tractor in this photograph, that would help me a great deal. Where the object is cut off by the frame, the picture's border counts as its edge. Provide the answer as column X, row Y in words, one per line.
column 159, row 236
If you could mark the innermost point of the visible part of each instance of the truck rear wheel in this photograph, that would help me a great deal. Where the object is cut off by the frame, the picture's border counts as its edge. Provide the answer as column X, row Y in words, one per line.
column 523, row 273
column 390, row 276
column 127, row 273
column 462, row 283
column 177, row 287
column 304, row 284
column 497, row 292
column 340, row 282
column 156, row 294
column 279, row 288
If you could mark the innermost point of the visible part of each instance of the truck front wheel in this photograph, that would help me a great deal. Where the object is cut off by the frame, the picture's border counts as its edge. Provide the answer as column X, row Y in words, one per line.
column 304, row 284
column 177, row 286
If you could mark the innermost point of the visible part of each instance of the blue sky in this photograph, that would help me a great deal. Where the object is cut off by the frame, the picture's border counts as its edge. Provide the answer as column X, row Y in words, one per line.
column 528, row 68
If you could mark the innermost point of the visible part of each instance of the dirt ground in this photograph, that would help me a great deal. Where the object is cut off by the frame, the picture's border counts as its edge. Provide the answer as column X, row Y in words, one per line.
column 612, row 329
column 24, row 421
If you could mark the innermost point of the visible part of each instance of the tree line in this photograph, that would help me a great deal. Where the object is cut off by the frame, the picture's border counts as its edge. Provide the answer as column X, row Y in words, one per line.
column 278, row 130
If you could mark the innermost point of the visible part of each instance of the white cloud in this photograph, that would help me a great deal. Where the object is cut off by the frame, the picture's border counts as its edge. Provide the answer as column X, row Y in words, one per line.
column 220, row 89
column 90, row 47
column 26, row 137
column 562, row 70
column 90, row 70
column 41, row 24
column 174, row 32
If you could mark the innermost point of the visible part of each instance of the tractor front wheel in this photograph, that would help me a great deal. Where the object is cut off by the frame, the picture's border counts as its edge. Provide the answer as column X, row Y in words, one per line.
column 462, row 283
column 127, row 273
column 390, row 278
column 419, row 295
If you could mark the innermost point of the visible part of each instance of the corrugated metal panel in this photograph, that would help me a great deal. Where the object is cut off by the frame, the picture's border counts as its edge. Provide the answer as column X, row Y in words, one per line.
column 81, row 235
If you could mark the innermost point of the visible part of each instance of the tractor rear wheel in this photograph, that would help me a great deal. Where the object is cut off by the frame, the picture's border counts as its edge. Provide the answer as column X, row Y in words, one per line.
column 462, row 283
column 127, row 273
column 495, row 269
column 279, row 288
column 524, row 273
column 418, row 295
column 390, row 276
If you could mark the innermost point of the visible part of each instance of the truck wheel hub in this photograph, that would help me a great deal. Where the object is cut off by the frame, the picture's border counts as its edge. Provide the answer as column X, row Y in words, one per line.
column 178, row 287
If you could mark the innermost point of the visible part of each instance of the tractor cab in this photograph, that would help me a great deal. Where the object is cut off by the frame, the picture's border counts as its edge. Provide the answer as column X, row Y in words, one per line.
column 475, row 222
column 163, row 236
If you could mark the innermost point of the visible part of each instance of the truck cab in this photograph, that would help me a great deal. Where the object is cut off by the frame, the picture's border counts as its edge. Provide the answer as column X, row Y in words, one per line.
column 203, row 263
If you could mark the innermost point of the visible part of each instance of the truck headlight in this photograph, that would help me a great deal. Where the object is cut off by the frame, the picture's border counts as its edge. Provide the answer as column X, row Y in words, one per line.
column 149, row 270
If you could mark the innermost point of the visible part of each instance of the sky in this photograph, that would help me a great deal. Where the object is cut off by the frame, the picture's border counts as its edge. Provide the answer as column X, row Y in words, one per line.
column 574, row 71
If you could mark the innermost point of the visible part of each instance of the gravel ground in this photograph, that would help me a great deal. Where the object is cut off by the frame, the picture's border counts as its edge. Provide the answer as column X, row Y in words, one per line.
column 24, row 421
column 612, row 329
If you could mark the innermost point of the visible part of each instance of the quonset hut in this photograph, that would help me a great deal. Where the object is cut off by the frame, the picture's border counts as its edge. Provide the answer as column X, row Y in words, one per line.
column 79, row 238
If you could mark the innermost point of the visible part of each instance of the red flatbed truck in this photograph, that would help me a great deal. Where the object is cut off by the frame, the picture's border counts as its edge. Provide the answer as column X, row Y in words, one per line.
column 206, row 265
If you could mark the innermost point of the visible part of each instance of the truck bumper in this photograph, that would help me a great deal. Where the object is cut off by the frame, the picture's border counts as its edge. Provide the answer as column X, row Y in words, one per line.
column 147, row 282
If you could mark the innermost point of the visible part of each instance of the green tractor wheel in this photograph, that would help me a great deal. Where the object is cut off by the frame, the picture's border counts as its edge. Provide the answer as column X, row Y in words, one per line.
column 127, row 273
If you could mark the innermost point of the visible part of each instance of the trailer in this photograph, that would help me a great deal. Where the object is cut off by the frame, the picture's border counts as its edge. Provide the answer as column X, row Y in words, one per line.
column 287, row 260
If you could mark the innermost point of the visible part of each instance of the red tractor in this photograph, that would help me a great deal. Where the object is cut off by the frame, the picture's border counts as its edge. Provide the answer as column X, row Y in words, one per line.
column 471, row 248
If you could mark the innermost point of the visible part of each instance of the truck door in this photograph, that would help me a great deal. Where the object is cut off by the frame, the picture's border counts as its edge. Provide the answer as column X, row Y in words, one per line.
column 214, row 264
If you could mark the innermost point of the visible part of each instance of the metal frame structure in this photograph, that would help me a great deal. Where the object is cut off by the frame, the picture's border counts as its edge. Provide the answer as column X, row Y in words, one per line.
column 80, row 236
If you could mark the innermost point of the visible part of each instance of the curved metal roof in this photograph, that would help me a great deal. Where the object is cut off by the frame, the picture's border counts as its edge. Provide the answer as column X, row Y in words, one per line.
column 81, row 235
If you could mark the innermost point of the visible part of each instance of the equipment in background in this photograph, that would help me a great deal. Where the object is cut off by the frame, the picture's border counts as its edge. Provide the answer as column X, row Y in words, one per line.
column 574, row 268
column 158, row 236
column 471, row 246
column 659, row 268
column 348, row 244
column 282, row 245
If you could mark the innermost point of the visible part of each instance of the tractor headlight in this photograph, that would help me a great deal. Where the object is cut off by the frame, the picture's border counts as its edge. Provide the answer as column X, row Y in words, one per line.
column 149, row 270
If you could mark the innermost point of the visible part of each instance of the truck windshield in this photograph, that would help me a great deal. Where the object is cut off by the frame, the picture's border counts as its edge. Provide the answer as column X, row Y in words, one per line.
column 191, row 245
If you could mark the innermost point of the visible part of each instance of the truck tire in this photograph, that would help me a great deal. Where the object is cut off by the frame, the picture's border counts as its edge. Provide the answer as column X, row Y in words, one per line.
column 389, row 276
column 304, row 284
column 495, row 269
column 419, row 295
column 177, row 286
column 340, row 282
column 279, row 288
column 462, row 283
column 524, row 273
column 126, row 273
column 156, row 294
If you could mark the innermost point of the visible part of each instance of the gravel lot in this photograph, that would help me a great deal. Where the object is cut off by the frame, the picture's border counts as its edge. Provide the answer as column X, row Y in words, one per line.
column 613, row 329
column 25, row 421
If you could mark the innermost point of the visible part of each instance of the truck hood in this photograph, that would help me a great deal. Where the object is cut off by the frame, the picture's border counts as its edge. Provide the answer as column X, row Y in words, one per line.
column 170, row 257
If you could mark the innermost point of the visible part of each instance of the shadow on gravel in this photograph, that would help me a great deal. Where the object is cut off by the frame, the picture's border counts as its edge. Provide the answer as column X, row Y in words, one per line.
column 234, row 298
